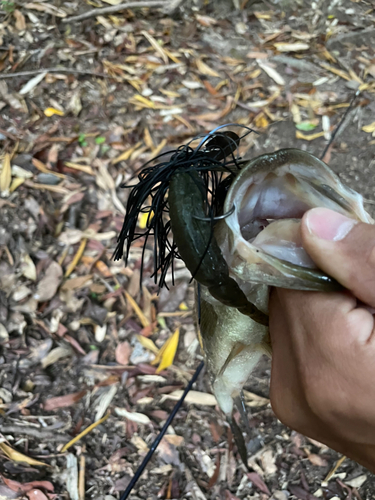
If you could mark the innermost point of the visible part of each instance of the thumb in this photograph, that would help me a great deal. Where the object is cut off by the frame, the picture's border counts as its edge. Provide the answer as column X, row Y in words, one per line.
column 343, row 248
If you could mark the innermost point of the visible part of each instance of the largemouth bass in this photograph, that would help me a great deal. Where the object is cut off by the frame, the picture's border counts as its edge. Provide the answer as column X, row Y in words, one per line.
column 238, row 235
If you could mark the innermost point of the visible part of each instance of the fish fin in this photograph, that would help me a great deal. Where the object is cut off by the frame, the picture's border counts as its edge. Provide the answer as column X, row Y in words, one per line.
column 236, row 350
column 240, row 405
column 239, row 440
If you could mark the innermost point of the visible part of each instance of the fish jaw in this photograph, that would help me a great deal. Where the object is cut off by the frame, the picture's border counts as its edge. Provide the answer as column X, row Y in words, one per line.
column 261, row 240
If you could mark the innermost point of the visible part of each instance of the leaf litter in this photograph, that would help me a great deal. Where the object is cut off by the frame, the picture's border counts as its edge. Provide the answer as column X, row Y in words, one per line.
column 87, row 359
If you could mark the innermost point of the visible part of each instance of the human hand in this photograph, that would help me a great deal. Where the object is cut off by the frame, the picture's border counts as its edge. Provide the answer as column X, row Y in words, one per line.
column 323, row 366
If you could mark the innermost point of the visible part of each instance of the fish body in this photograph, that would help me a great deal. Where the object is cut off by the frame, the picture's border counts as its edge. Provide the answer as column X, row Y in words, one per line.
column 236, row 225
column 261, row 244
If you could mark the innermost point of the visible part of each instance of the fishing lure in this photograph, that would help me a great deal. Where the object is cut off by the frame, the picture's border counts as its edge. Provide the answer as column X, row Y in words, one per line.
column 194, row 180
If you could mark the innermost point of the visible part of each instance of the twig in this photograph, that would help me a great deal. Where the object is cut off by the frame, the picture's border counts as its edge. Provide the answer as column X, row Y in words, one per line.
column 53, row 70
column 115, row 8
column 20, row 430
column 348, row 109
column 155, row 444
column 81, row 477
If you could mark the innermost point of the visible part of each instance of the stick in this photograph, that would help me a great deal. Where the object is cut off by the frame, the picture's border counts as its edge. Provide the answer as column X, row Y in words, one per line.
column 81, row 477
column 333, row 136
column 115, row 8
column 155, row 444
column 53, row 70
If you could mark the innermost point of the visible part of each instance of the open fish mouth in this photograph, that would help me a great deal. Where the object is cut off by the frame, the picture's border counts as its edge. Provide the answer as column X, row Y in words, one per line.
column 261, row 240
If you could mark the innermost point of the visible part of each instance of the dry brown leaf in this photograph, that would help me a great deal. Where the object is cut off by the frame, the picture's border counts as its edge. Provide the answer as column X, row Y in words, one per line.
column 215, row 116
column 147, row 343
column 205, row 20
column 16, row 456
column 204, row 69
column 49, row 284
column 271, row 72
column 82, row 168
column 336, row 71
column 139, row 418
column 126, row 154
column 46, row 7
column 36, row 494
column 193, row 397
column 43, row 168
column 159, row 49
column 369, row 129
column 31, row 84
column 310, row 137
column 142, row 318
column 122, row 353
column 76, row 283
column 56, row 354
column 317, row 460
column 291, row 47
column 6, row 174
column 63, row 401
column 20, row 20
column 148, row 139
column 16, row 183
column 76, row 258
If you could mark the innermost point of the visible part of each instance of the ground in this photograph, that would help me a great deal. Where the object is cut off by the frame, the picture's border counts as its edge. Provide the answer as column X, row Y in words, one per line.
column 86, row 103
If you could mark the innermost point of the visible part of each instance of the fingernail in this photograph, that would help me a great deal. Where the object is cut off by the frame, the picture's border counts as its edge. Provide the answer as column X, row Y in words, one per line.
column 327, row 224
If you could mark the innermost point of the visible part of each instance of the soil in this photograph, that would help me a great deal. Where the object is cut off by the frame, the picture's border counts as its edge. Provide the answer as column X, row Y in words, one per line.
column 116, row 90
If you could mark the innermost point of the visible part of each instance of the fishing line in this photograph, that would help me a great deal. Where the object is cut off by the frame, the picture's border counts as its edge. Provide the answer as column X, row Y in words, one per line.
column 156, row 442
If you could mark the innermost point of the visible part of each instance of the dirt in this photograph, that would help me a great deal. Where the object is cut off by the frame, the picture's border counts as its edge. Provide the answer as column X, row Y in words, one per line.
column 79, row 340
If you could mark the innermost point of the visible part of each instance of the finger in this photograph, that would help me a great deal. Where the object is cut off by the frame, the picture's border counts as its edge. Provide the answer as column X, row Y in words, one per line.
column 344, row 248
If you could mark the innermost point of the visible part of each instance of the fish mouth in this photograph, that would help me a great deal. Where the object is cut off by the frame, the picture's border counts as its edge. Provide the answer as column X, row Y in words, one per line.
column 261, row 241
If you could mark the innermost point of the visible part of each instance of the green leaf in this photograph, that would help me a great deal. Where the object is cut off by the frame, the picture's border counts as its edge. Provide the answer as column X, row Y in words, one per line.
column 306, row 126
column 100, row 140
column 162, row 322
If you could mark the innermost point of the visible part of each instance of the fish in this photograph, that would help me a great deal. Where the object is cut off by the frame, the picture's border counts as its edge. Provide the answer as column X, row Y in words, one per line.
column 236, row 225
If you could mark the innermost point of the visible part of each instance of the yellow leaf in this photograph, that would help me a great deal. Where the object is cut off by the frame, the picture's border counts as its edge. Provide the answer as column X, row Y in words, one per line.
column 336, row 71
column 147, row 102
column 43, row 168
column 82, row 168
column 183, row 307
column 263, row 15
column 310, row 137
column 126, row 154
column 6, row 174
column 142, row 318
column 159, row 147
column 169, row 351
column 147, row 344
column 261, row 121
column 369, row 128
column 16, row 456
column 206, row 70
column 148, row 139
column 15, row 184
column 142, row 223
column 77, row 256
column 53, row 111
column 294, row 109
